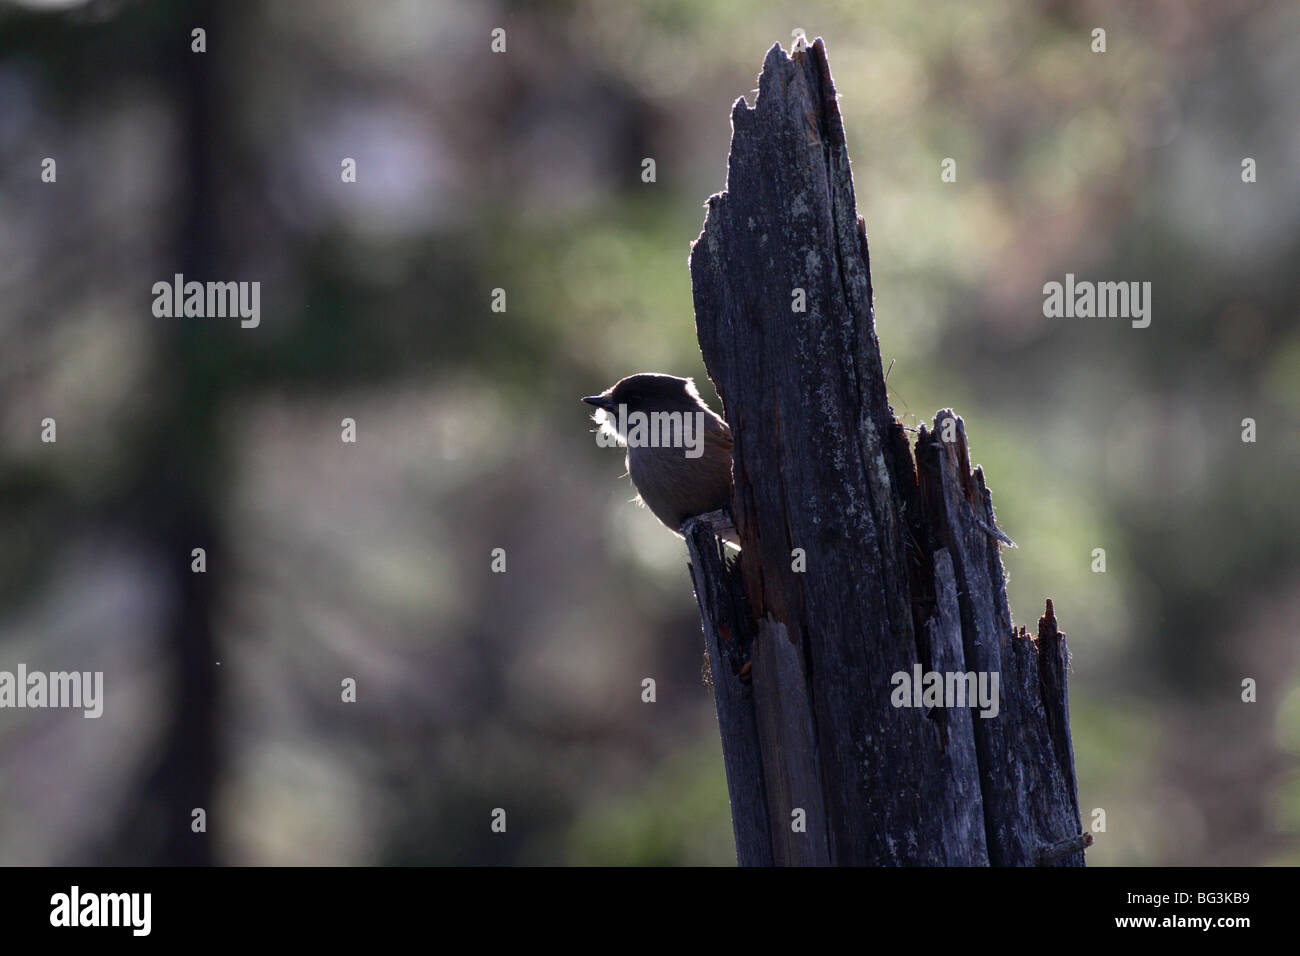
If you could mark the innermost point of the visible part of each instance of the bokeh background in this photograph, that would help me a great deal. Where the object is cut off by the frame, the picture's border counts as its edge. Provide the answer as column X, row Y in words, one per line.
column 522, row 171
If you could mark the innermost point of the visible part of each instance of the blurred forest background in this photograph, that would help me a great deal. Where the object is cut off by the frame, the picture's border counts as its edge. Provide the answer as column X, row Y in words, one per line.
column 522, row 171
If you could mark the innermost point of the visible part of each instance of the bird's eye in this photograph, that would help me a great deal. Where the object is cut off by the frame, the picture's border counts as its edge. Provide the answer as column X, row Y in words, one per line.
column 634, row 398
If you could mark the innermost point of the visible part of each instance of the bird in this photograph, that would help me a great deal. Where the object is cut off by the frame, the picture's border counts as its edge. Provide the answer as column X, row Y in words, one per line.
column 678, row 449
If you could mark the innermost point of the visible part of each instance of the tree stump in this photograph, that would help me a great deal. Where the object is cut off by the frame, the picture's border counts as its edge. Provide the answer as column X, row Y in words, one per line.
column 859, row 562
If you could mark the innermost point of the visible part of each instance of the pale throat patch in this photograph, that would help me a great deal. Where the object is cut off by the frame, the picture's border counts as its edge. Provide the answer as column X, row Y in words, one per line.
column 639, row 429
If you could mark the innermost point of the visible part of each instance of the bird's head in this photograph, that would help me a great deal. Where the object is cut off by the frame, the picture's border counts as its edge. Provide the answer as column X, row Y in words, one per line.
column 645, row 392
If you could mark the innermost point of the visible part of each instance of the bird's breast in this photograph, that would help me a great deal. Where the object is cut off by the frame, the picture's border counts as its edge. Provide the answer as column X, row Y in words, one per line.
column 675, row 487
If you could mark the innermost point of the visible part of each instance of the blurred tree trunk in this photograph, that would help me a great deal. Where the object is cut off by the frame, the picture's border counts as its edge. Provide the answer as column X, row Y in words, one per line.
column 180, row 477
column 858, row 562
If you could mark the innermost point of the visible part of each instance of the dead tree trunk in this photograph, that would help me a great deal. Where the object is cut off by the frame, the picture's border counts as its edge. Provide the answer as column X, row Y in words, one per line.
column 858, row 563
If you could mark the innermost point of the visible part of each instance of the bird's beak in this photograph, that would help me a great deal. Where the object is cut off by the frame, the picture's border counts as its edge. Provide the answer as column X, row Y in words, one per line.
column 600, row 401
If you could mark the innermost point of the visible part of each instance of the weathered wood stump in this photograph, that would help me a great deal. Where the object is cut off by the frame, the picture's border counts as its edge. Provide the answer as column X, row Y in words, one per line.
column 859, row 562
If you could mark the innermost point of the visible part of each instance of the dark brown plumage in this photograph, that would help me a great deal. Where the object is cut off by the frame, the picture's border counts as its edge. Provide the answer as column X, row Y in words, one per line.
column 673, row 485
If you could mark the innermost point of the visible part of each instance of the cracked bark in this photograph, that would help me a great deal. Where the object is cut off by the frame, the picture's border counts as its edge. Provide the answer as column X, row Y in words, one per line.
column 902, row 561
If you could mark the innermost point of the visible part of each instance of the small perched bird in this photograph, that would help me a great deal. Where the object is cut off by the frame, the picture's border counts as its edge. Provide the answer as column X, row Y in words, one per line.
column 678, row 449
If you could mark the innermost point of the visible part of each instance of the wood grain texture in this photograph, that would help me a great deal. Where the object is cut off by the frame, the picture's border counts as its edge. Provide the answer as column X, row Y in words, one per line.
column 726, row 624
column 902, row 564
